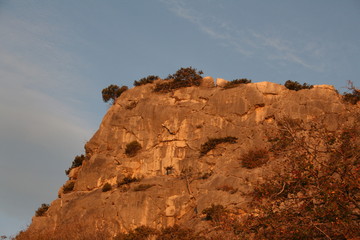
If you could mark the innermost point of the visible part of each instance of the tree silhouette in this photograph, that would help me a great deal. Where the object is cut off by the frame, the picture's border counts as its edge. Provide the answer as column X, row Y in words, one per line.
column 112, row 92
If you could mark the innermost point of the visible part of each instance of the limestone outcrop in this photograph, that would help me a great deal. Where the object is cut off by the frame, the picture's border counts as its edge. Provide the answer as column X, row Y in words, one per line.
column 174, row 182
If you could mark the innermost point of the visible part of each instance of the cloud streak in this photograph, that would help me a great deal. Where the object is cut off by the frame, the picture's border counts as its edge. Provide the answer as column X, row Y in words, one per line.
column 244, row 41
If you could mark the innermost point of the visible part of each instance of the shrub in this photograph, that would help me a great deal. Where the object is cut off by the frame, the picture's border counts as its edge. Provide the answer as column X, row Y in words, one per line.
column 112, row 92
column 42, row 210
column 315, row 193
column 215, row 213
column 132, row 148
column 212, row 142
column 294, row 85
column 178, row 233
column 143, row 187
column 128, row 180
column 77, row 162
column 139, row 233
column 354, row 96
column 106, row 187
column 146, row 80
column 184, row 77
column 68, row 187
column 255, row 158
column 236, row 82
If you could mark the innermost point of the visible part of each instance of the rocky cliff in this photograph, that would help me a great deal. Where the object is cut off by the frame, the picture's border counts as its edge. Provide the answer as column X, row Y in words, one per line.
column 171, row 179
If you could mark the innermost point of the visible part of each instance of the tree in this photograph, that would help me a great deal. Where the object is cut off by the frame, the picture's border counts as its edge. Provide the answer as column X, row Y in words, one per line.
column 112, row 92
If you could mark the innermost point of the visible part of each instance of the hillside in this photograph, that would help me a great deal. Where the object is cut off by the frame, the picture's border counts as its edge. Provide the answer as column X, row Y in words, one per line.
column 200, row 157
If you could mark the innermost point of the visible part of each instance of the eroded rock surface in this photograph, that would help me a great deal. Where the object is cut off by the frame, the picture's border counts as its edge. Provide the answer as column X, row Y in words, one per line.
column 171, row 128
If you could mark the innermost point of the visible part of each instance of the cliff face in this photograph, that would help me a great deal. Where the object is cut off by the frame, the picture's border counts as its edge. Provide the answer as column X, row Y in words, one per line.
column 171, row 128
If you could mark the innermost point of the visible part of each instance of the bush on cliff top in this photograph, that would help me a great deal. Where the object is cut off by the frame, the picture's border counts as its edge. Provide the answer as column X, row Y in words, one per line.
column 294, row 85
column 146, row 80
column 354, row 96
column 236, row 82
column 184, row 77
column 112, row 92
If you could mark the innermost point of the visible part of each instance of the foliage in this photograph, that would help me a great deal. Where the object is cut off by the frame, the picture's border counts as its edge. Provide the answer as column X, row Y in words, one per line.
column 315, row 194
column 184, row 77
column 132, row 148
column 215, row 213
column 145, row 80
column 236, row 82
column 106, row 187
column 354, row 96
column 68, row 187
column 212, row 142
column 139, row 233
column 255, row 158
column 112, row 92
column 178, row 233
column 294, row 85
column 42, row 210
column 77, row 162
column 170, row 233
column 143, row 187
column 128, row 180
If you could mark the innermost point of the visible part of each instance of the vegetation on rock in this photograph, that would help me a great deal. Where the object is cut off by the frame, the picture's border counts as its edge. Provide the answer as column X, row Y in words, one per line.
column 132, row 148
column 42, row 210
column 77, row 162
column 236, row 82
column 184, row 77
column 294, row 85
column 354, row 96
column 254, row 158
column 107, row 187
column 68, row 187
column 112, row 92
column 146, row 80
column 212, row 142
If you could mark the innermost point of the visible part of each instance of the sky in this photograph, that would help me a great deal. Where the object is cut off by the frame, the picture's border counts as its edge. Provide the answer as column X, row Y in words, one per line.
column 57, row 56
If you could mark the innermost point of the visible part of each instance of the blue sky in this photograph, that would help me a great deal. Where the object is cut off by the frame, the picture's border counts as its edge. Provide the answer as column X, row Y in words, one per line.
column 57, row 56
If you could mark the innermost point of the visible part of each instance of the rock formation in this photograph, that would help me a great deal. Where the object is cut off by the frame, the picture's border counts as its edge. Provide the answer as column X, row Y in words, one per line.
column 175, row 183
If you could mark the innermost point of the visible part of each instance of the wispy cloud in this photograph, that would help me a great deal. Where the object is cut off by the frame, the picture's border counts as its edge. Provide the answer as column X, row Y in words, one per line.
column 245, row 41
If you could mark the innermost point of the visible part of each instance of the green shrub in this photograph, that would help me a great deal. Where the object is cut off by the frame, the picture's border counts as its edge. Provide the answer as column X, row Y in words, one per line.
column 215, row 213
column 68, row 187
column 212, row 142
column 294, row 85
column 42, row 210
column 143, row 187
column 184, row 77
column 132, row 148
column 112, row 92
column 106, row 187
column 255, row 158
column 77, row 162
column 236, row 82
column 146, row 80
